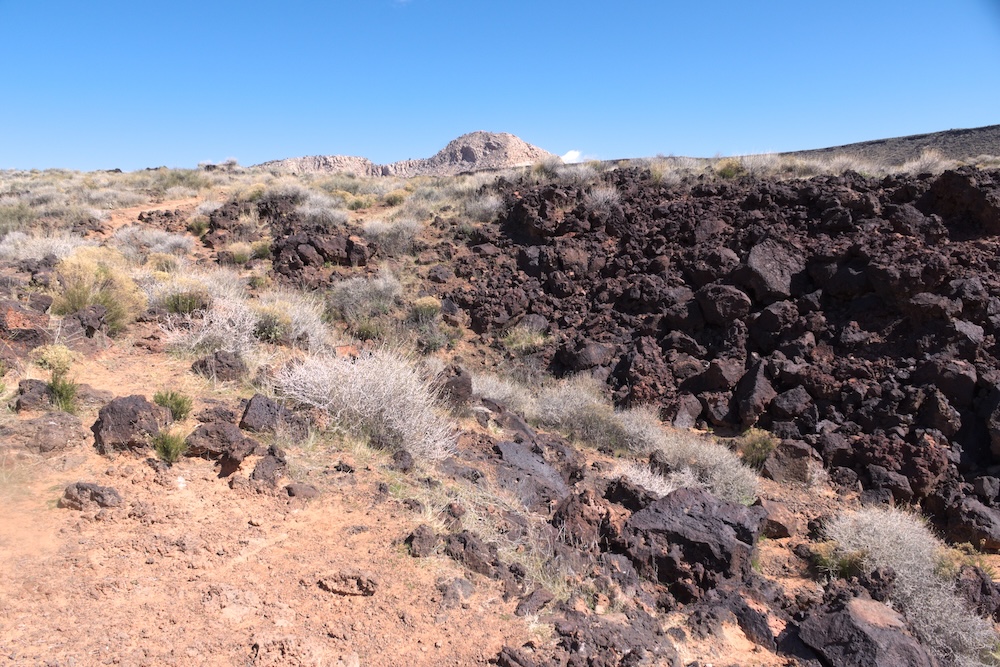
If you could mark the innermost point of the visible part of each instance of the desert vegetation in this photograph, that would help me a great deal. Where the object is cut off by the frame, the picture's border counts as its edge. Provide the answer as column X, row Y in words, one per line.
column 543, row 394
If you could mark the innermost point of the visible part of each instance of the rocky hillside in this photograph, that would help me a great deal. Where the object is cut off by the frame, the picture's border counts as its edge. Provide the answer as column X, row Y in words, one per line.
column 963, row 144
column 570, row 416
column 476, row 151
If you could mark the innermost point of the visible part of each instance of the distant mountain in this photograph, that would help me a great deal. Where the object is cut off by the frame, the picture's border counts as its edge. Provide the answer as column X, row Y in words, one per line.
column 951, row 144
column 476, row 151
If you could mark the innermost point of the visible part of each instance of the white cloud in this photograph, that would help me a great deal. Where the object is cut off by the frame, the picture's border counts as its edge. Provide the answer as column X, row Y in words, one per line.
column 572, row 157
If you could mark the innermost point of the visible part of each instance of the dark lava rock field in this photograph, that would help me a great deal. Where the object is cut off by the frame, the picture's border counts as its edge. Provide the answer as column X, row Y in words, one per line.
column 855, row 318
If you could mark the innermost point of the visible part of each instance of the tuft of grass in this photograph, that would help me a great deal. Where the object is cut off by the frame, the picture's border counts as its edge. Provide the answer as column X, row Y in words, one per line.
column 64, row 391
column 394, row 238
column 893, row 538
column 755, row 446
column 730, row 167
column 358, row 298
column 524, row 339
column 179, row 404
column 576, row 406
column 16, row 216
column 425, row 309
column 97, row 276
column 380, row 395
column 185, row 303
column 169, row 446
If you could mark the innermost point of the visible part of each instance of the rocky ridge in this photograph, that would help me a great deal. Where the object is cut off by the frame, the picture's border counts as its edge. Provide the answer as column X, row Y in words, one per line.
column 475, row 151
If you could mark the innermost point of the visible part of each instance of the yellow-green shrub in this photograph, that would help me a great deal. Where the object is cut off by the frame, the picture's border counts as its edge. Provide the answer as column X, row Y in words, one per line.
column 97, row 276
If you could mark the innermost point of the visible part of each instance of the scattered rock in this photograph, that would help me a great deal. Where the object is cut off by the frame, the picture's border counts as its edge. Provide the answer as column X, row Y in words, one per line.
column 128, row 423
column 348, row 582
column 222, row 366
column 82, row 495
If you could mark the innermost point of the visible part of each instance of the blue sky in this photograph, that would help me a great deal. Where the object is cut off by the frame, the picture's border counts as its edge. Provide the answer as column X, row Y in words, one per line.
column 132, row 84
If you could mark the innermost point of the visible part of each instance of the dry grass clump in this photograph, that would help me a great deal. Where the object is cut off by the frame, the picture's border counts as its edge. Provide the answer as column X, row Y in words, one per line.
column 577, row 408
column 292, row 318
column 892, row 538
column 19, row 245
column 98, row 276
column 602, row 197
column 320, row 209
column 394, row 238
column 930, row 162
column 524, row 339
column 137, row 242
column 514, row 395
column 484, row 208
column 381, row 396
column 651, row 480
column 358, row 298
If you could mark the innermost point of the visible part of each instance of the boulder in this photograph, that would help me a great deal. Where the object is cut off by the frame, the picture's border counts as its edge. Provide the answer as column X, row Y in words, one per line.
column 863, row 633
column 691, row 541
column 722, row 304
column 83, row 495
column 128, row 422
column 223, row 366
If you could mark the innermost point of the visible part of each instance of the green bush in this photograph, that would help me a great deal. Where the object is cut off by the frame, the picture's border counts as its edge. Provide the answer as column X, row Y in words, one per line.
column 97, row 276
column 15, row 217
column 755, row 446
column 179, row 404
column 169, row 446
column 185, row 303
column 64, row 391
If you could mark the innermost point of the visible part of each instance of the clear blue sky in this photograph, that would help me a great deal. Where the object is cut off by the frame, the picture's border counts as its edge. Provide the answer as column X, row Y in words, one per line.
column 132, row 83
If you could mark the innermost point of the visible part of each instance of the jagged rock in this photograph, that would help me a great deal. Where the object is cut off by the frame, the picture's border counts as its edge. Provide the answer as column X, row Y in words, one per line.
column 81, row 495
column 33, row 395
column 222, row 365
column 691, row 541
column 863, row 633
column 423, row 541
column 128, row 422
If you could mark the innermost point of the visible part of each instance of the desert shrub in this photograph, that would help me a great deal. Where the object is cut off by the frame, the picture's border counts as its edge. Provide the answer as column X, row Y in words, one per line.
column 261, row 249
column 602, row 197
column 516, row 396
column 425, row 309
column 15, row 216
column 484, row 208
column 523, row 339
column 394, row 237
column 755, row 446
column 650, row 480
column 136, row 242
column 380, row 395
column 713, row 465
column 394, row 198
column 323, row 210
column 198, row 225
column 360, row 202
column 56, row 358
column 169, row 446
column 18, row 245
column 164, row 179
column 930, row 162
column 230, row 324
column 97, row 276
column 179, row 404
column 547, row 167
column 730, row 167
column 893, row 538
column 64, row 390
column 162, row 262
column 358, row 298
column 290, row 317
column 577, row 407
